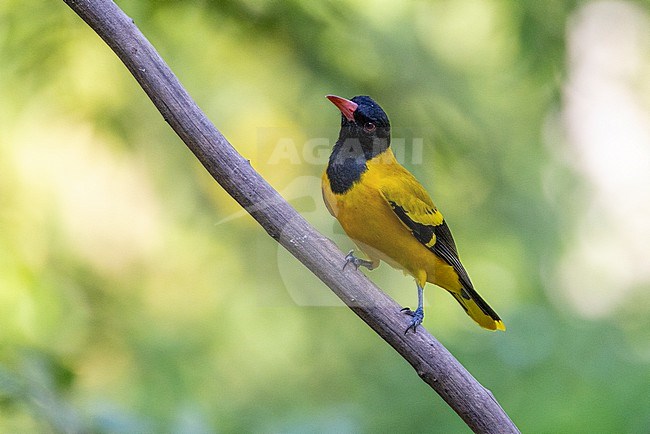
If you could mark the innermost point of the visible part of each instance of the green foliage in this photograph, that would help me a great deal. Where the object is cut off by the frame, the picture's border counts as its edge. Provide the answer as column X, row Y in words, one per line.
column 135, row 298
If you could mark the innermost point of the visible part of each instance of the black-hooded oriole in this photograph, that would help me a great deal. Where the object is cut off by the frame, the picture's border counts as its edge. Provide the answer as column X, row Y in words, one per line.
column 388, row 213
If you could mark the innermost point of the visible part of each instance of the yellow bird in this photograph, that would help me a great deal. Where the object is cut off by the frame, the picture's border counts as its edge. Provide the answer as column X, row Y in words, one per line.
column 389, row 215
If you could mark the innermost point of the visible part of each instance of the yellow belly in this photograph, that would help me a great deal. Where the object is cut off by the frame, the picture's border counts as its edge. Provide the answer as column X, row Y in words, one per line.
column 370, row 222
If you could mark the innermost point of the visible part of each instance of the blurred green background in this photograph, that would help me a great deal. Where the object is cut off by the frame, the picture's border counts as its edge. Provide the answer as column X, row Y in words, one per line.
column 135, row 297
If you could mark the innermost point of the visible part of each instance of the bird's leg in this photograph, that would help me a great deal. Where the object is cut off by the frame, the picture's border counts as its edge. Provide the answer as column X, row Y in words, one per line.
column 357, row 262
column 418, row 315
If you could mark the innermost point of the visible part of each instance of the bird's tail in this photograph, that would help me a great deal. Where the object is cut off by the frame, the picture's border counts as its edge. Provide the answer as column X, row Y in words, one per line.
column 478, row 309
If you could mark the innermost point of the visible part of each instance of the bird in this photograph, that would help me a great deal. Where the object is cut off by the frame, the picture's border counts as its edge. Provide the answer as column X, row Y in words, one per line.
column 389, row 215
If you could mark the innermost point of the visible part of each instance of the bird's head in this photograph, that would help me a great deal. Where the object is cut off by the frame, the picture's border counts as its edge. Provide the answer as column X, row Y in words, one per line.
column 363, row 121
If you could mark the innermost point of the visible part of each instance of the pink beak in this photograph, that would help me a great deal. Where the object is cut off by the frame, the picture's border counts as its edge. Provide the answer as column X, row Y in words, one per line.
column 346, row 106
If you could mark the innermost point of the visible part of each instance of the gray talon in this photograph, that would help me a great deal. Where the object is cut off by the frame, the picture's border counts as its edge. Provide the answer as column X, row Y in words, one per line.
column 357, row 262
column 416, row 315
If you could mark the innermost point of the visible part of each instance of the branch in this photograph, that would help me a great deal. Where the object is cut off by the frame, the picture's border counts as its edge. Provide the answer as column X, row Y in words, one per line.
column 433, row 363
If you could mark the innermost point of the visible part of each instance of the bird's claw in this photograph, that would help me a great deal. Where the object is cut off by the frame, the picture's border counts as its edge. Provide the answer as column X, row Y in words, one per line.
column 356, row 262
column 416, row 315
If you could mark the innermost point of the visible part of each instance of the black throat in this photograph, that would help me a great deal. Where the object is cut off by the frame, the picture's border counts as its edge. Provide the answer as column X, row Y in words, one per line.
column 350, row 154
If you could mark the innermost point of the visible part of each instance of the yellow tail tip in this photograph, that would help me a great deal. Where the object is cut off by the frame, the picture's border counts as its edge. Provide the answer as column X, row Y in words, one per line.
column 500, row 325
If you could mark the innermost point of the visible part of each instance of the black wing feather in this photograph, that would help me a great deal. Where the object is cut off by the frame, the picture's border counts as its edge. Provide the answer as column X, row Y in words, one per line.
column 446, row 249
column 444, row 245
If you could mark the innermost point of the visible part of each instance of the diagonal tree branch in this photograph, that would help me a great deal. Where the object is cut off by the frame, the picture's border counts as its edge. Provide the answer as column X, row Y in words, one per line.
column 433, row 363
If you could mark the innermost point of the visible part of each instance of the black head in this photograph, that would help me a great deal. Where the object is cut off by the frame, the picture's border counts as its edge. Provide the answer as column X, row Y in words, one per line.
column 363, row 121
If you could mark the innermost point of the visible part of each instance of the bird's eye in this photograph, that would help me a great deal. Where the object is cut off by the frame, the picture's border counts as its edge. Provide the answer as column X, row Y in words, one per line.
column 369, row 127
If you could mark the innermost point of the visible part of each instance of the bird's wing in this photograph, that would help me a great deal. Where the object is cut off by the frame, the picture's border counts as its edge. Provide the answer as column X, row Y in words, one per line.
column 413, row 207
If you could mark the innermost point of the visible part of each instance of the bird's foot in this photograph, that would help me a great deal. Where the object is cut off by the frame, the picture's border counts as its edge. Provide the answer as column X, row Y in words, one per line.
column 416, row 315
column 357, row 262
